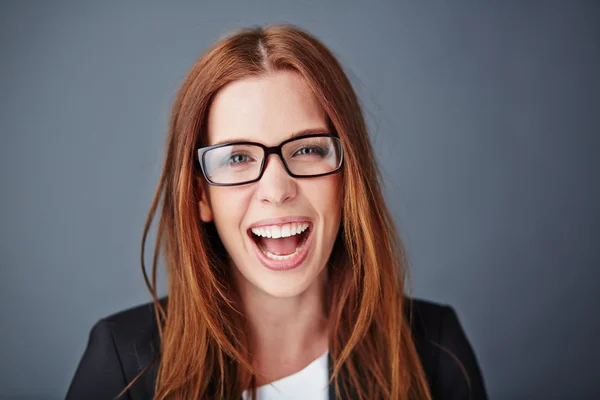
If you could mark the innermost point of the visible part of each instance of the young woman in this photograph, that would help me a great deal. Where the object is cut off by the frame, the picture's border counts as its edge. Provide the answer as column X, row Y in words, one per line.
column 286, row 274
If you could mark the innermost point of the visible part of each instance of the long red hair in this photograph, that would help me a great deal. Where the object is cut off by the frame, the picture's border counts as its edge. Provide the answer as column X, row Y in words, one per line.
column 204, row 349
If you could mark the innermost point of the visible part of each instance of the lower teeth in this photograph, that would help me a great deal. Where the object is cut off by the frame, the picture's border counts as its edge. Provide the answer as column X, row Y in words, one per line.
column 273, row 256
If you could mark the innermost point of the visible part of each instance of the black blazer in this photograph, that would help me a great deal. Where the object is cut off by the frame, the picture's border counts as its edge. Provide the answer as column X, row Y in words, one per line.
column 121, row 345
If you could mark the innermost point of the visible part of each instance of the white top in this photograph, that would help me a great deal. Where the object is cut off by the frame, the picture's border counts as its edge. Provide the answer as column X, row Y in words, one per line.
column 312, row 382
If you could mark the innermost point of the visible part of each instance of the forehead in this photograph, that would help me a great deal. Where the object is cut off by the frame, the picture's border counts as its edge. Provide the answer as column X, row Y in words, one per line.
column 266, row 109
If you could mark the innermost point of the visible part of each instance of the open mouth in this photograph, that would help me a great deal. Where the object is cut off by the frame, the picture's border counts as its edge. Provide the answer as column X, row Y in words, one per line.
column 281, row 243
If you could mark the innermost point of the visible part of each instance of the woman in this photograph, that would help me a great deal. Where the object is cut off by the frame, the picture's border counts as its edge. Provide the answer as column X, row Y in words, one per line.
column 285, row 271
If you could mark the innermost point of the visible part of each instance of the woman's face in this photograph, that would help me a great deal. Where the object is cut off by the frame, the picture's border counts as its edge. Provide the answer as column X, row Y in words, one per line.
column 270, row 109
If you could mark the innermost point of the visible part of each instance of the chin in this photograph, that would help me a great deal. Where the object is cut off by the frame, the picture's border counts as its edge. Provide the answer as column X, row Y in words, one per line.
column 282, row 284
column 285, row 289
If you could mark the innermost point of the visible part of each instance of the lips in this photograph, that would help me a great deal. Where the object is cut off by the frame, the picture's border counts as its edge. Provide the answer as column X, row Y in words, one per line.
column 295, row 231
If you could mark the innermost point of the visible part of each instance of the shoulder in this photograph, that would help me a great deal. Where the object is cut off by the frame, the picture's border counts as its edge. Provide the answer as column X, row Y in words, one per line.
column 136, row 337
column 446, row 354
column 135, row 323
column 119, row 347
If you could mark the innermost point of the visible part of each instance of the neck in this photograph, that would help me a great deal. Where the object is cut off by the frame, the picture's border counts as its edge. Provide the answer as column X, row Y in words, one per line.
column 286, row 334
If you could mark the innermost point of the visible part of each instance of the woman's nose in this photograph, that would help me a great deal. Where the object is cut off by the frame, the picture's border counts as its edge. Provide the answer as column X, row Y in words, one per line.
column 275, row 186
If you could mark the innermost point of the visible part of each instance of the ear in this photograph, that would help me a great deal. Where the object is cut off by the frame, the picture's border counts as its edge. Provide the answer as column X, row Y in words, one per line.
column 206, row 214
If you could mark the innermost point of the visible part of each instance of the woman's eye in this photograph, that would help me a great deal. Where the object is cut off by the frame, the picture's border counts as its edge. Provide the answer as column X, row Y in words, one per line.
column 238, row 158
column 311, row 150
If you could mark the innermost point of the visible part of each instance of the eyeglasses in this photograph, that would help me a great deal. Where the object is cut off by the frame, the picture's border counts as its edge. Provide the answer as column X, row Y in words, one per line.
column 239, row 163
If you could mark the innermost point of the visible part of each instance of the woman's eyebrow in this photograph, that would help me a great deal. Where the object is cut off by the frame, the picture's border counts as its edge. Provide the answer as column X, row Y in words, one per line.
column 304, row 132
column 311, row 131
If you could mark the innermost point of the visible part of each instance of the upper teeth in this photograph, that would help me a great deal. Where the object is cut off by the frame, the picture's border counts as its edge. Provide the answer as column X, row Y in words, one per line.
column 278, row 231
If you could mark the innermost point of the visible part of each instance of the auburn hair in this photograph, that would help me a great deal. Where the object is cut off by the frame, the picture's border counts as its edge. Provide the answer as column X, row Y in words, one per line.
column 204, row 349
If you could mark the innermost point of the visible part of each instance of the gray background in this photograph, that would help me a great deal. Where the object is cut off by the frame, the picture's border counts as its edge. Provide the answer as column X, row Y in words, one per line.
column 484, row 117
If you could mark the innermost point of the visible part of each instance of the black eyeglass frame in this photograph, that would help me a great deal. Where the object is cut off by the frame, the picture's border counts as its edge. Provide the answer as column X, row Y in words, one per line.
column 267, row 152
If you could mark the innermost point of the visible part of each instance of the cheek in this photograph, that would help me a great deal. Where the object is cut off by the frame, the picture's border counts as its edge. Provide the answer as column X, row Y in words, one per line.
column 229, row 206
column 325, row 196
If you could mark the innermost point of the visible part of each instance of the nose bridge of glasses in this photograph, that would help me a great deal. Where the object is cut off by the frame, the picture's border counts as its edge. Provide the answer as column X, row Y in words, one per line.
column 274, row 151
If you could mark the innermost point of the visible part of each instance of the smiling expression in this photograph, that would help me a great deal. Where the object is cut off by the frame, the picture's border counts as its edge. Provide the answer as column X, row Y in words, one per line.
column 279, row 232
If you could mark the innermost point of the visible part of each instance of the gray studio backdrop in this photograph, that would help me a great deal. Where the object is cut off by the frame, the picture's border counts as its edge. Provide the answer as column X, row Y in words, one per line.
column 484, row 117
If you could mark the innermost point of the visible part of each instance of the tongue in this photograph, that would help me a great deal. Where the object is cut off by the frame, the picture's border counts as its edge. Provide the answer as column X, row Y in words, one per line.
column 281, row 246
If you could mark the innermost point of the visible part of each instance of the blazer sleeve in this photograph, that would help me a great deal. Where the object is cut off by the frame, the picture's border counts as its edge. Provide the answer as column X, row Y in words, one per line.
column 459, row 375
column 99, row 375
